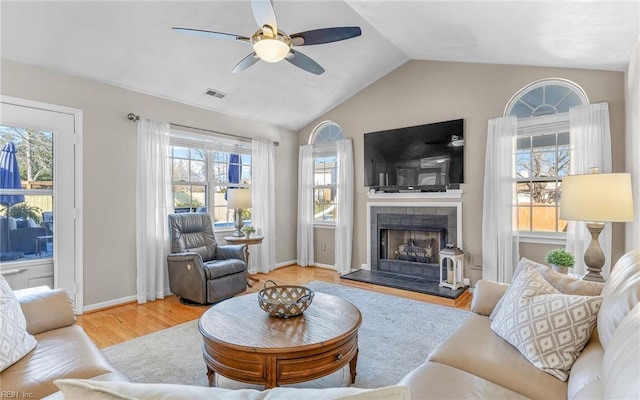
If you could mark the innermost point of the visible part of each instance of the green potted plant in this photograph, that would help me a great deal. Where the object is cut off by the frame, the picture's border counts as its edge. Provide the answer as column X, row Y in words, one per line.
column 248, row 230
column 560, row 260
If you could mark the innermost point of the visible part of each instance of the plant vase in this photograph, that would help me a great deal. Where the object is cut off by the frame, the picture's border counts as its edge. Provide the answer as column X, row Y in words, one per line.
column 560, row 268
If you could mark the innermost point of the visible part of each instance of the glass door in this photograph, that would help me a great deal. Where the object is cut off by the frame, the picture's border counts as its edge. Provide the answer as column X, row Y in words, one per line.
column 39, row 225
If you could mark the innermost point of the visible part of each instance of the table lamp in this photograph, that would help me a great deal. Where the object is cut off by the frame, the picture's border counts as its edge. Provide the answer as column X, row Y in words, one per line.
column 238, row 199
column 596, row 198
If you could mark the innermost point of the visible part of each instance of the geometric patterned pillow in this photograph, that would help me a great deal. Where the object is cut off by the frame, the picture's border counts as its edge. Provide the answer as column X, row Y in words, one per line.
column 548, row 329
column 15, row 342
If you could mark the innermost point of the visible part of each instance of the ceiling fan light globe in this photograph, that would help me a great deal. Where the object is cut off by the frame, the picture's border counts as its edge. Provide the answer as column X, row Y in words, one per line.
column 271, row 50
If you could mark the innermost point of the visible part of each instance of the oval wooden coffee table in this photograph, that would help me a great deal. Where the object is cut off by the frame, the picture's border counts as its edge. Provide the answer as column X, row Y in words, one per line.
column 244, row 343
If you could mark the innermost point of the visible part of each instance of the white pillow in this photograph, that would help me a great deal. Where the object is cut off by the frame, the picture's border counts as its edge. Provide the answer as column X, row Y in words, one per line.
column 99, row 390
column 15, row 341
column 547, row 327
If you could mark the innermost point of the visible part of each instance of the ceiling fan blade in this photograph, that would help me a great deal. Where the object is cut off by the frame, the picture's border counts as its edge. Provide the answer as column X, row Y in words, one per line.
column 213, row 35
column 264, row 13
column 325, row 35
column 304, row 62
column 246, row 63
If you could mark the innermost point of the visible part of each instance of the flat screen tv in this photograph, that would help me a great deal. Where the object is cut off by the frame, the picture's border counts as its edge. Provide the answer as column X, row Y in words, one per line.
column 426, row 157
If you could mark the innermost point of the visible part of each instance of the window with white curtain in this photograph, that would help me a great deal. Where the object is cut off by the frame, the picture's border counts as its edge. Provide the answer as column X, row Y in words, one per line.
column 543, row 153
column 200, row 174
column 323, row 137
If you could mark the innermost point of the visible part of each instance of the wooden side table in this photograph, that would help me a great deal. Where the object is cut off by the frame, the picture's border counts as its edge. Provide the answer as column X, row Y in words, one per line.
column 248, row 241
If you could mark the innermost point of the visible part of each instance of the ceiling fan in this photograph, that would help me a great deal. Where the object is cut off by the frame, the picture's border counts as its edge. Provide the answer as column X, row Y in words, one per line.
column 272, row 45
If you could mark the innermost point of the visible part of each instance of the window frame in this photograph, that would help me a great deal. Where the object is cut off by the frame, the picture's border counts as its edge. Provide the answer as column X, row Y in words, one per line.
column 324, row 145
column 537, row 125
column 211, row 144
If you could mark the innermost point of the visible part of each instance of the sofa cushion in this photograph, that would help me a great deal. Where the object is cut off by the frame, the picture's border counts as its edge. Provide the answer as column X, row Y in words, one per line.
column 46, row 309
column 620, row 294
column 433, row 380
column 549, row 329
column 621, row 365
column 61, row 353
column 218, row 268
column 15, row 341
column 585, row 379
column 563, row 283
column 476, row 349
column 92, row 390
column 486, row 296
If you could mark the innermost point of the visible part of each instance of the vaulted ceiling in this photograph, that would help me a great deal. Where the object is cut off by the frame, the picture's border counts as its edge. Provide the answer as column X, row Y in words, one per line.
column 130, row 44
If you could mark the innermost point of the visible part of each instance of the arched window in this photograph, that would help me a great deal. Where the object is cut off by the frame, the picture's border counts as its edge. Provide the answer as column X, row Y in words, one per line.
column 325, row 132
column 325, row 186
column 543, row 154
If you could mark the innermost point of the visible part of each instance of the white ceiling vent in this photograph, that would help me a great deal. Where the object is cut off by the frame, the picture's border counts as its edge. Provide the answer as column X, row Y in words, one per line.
column 215, row 93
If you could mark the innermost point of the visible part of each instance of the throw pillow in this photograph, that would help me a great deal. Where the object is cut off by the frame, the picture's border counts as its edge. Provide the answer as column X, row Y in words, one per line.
column 566, row 284
column 547, row 327
column 15, row 341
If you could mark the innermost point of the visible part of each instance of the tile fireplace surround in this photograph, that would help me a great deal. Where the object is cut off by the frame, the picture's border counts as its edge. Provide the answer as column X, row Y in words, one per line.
column 403, row 243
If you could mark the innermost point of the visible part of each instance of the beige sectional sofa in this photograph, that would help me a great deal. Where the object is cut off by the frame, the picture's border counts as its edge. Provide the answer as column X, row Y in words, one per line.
column 63, row 349
column 473, row 362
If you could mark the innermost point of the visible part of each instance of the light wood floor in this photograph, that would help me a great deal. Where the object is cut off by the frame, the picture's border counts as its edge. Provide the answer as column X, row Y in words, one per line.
column 118, row 324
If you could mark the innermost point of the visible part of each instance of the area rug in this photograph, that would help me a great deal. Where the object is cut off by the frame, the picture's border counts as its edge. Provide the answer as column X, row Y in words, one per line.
column 396, row 335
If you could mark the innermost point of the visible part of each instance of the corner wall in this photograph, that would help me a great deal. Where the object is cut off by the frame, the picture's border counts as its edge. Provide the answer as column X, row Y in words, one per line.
column 632, row 153
column 422, row 92
column 109, row 154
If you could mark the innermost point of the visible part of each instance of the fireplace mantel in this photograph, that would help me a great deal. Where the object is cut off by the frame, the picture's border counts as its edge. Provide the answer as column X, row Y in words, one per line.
column 449, row 194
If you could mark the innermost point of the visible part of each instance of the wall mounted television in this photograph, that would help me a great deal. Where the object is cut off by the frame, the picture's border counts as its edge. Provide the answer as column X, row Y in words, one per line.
column 426, row 157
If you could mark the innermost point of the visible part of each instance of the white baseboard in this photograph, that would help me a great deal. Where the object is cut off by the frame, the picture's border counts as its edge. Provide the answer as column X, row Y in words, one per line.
column 326, row 266
column 110, row 303
column 286, row 263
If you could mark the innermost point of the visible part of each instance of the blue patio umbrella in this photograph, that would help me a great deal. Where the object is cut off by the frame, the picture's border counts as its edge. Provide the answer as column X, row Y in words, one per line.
column 235, row 170
column 9, row 179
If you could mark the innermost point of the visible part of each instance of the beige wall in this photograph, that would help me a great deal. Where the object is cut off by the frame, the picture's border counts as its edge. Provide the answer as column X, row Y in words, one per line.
column 632, row 155
column 421, row 92
column 109, row 151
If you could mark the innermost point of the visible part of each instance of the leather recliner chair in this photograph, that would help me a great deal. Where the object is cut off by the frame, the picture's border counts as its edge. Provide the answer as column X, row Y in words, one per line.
column 200, row 270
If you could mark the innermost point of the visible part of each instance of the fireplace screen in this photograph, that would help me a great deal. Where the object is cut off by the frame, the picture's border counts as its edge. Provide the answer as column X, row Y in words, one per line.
column 411, row 245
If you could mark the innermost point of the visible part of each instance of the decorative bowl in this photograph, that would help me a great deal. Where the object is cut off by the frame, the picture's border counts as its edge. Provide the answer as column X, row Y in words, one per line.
column 284, row 301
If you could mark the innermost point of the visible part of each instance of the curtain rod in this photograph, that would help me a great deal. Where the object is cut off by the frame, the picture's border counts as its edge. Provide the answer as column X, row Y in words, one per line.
column 135, row 118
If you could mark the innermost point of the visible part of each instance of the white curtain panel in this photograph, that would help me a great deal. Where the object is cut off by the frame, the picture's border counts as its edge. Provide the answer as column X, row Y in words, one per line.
column 263, row 211
column 305, row 207
column 344, row 198
column 152, row 207
column 590, row 147
column 500, row 252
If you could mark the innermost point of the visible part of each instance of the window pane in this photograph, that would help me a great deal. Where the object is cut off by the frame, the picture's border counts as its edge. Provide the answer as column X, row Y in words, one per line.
column 180, row 152
column 188, row 196
column 524, row 193
column 26, row 216
column 198, row 171
column 544, row 218
column 198, row 154
column 180, row 170
column 524, row 218
column 324, row 204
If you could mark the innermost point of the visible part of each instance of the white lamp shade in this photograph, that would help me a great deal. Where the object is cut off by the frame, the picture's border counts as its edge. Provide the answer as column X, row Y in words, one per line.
column 597, row 198
column 239, row 198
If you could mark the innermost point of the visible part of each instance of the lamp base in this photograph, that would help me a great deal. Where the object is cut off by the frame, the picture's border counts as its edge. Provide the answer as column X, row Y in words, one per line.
column 237, row 223
column 594, row 256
